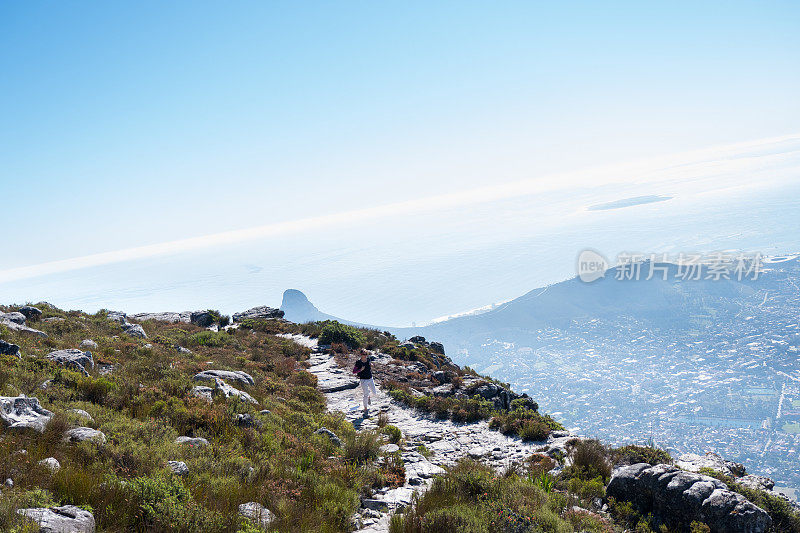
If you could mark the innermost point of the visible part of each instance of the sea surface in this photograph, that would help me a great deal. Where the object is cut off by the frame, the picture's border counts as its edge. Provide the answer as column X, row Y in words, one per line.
column 412, row 266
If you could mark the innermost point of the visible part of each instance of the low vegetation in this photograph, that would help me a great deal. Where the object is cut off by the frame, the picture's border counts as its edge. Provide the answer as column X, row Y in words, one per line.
column 472, row 498
column 145, row 403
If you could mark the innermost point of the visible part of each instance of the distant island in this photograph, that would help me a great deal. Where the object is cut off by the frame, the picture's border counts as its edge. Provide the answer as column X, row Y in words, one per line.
column 628, row 202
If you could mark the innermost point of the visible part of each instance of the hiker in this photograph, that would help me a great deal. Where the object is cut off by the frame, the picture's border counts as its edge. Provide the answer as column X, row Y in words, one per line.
column 364, row 372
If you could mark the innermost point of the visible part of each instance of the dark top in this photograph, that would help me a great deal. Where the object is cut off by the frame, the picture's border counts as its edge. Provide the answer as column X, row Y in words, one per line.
column 363, row 370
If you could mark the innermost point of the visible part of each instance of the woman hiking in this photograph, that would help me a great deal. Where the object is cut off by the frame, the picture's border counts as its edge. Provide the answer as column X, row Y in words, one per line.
column 363, row 370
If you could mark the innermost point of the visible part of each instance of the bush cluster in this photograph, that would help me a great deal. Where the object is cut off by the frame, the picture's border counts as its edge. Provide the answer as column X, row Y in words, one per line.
column 335, row 333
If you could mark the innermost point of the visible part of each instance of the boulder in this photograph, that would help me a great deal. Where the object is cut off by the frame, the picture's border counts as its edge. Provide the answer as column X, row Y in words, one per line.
column 694, row 462
column 80, row 413
column 64, row 519
column 192, row 441
column 389, row 448
column 257, row 513
column 14, row 317
column 51, row 463
column 14, row 326
column 756, row 482
column 437, row 347
column 31, row 313
column 258, row 312
column 117, row 316
column 417, row 339
column 134, row 330
column 22, row 412
column 83, row 434
column 443, row 390
column 245, row 420
column 88, row 344
column 73, row 358
column 167, row 316
column 330, row 434
column 222, row 388
column 6, row 348
column 201, row 318
column 676, row 498
column 178, row 468
column 441, row 376
column 205, row 393
column 229, row 375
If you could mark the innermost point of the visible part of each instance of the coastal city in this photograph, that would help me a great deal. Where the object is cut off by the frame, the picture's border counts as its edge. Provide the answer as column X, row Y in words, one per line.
column 725, row 381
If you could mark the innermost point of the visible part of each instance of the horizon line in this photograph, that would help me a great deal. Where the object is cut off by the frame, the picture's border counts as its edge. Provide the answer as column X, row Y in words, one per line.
column 479, row 195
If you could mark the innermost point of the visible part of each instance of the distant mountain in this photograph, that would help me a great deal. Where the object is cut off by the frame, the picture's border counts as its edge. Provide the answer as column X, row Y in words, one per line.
column 297, row 308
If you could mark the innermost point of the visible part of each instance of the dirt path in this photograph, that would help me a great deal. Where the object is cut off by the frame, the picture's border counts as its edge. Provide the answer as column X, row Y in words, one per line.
column 448, row 441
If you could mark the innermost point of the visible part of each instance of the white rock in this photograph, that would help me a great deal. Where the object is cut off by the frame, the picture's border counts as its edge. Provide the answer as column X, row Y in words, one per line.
column 65, row 519
column 83, row 434
column 257, row 513
column 192, row 441
column 21, row 412
column 82, row 414
column 51, row 463
column 178, row 468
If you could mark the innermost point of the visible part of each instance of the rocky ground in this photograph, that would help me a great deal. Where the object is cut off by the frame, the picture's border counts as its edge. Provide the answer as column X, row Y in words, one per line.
column 448, row 441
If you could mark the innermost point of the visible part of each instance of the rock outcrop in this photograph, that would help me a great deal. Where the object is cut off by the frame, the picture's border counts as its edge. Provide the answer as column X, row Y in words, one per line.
column 22, row 412
column 167, row 316
column 31, row 313
column 200, row 318
column 65, row 519
column 230, row 375
column 6, row 348
column 258, row 312
column 694, row 462
column 73, row 358
column 117, row 316
column 15, row 317
column 16, row 322
column 134, row 330
column 221, row 388
column 676, row 497
column 83, row 434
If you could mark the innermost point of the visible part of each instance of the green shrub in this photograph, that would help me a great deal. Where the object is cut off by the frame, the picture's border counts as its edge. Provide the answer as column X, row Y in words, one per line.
column 335, row 333
column 534, row 430
column 95, row 389
column 699, row 527
column 633, row 454
column 211, row 339
column 587, row 489
column 393, row 432
column 165, row 504
column 471, row 497
column 362, row 447
column 590, row 460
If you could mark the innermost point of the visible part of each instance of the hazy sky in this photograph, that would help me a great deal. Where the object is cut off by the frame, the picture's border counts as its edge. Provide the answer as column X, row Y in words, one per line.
column 130, row 124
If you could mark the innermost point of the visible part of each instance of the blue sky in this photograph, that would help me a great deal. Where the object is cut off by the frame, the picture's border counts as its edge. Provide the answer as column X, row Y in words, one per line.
column 130, row 124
